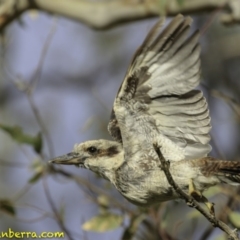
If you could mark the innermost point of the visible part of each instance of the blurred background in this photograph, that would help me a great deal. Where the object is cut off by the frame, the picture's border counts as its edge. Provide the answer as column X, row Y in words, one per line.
column 58, row 82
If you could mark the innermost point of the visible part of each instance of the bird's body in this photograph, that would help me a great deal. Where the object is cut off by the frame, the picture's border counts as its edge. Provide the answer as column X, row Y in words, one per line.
column 157, row 104
column 142, row 175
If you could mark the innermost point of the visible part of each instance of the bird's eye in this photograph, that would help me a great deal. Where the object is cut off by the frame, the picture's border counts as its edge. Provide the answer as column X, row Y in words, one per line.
column 92, row 150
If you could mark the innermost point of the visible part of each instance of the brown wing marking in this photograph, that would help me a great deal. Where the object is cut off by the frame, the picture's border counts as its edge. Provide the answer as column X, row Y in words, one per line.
column 113, row 128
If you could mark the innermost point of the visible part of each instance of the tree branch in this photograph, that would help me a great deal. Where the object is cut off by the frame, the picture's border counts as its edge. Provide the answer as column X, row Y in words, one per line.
column 191, row 201
column 108, row 13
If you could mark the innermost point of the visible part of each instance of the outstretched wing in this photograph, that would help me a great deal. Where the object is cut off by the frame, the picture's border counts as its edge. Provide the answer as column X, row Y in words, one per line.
column 163, row 74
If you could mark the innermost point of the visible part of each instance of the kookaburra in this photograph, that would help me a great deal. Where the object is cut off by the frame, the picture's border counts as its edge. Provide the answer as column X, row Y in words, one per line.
column 157, row 103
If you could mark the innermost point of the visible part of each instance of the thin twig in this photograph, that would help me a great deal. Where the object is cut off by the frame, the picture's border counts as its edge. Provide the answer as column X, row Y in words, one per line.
column 33, row 82
column 219, row 152
column 212, row 17
column 42, row 125
column 230, row 101
column 191, row 201
column 32, row 220
column 38, row 72
column 54, row 209
column 22, row 192
column 83, row 182
column 12, row 164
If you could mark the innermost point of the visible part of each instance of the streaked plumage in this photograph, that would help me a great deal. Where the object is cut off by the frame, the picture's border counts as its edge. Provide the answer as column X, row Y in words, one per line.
column 157, row 103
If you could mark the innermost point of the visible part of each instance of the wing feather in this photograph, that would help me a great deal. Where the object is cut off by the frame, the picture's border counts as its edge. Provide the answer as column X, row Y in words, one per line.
column 163, row 74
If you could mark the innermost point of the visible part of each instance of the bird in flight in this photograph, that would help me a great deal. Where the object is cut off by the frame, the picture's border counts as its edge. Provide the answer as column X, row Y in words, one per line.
column 157, row 103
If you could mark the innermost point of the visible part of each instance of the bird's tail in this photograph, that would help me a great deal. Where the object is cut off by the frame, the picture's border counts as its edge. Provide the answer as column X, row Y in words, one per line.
column 225, row 171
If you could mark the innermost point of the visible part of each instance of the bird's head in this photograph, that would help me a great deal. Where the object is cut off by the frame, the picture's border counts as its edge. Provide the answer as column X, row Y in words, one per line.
column 100, row 156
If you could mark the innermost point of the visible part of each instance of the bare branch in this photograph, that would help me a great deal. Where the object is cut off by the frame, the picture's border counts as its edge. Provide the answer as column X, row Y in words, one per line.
column 191, row 201
column 108, row 13
column 230, row 101
column 86, row 183
column 32, row 220
column 41, row 124
column 12, row 164
column 38, row 72
column 54, row 209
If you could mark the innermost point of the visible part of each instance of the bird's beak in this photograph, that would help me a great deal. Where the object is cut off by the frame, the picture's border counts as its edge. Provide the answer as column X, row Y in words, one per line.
column 69, row 159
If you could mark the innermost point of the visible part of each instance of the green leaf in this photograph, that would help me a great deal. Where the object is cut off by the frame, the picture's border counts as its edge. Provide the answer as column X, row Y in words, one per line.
column 39, row 168
column 35, row 177
column 220, row 237
column 235, row 219
column 103, row 222
column 62, row 211
column 38, row 143
column 194, row 214
column 180, row 2
column 162, row 7
column 19, row 136
column 133, row 226
column 103, row 201
column 211, row 192
column 7, row 207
